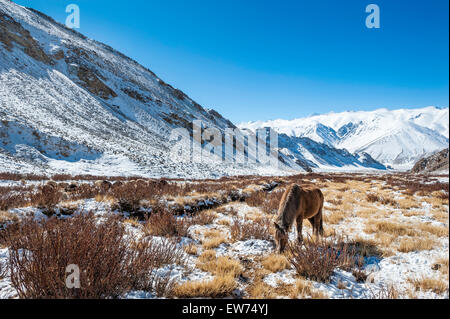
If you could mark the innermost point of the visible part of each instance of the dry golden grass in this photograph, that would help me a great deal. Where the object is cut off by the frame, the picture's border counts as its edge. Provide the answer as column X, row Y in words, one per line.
column 366, row 212
column 258, row 289
column 435, row 200
column 275, row 263
column 365, row 247
column 437, row 286
column 409, row 213
column 389, row 227
column 334, row 217
column 221, row 266
column 439, row 231
column 303, row 289
column 191, row 249
column 212, row 239
column 341, row 285
column 408, row 203
column 408, row 244
column 218, row 287
column 440, row 215
column 105, row 199
column 224, row 222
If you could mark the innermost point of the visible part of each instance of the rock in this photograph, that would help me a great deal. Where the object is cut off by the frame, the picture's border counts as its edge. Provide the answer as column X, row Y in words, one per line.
column 433, row 163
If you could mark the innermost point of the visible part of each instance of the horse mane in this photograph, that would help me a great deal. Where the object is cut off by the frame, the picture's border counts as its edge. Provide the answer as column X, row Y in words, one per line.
column 284, row 219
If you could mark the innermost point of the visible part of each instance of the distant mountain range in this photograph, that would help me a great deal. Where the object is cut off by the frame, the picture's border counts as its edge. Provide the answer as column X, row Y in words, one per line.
column 69, row 104
column 395, row 138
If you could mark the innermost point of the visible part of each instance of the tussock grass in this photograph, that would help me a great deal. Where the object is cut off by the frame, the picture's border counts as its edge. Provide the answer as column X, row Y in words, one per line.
column 408, row 203
column 365, row 247
column 334, row 217
column 389, row 227
column 437, row 286
column 275, row 263
column 439, row 231
column 408, row 244
column 303, row 289
column 213, row 238
column 221, row 266
column 132, row 221
column 366, row 212
column 191, row 249
column 218, row 287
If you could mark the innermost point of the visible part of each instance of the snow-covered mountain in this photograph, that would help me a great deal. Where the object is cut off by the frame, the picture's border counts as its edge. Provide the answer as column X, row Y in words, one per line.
column 71, row 104
column 397, row 138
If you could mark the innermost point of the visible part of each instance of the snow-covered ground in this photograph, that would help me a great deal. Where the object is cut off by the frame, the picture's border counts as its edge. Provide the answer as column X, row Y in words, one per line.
column 388, row 268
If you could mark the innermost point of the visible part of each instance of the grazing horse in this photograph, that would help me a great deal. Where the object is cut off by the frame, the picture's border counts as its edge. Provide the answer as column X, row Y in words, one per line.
column 297, row 204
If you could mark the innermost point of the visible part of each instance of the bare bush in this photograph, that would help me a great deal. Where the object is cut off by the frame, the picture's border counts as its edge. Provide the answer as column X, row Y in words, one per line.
column 243, row 230
column 317, row 259
column 109, row 265
column 48, row 197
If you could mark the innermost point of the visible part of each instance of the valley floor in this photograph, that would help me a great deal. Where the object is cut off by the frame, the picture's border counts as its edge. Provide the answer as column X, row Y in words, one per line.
column 218, row 233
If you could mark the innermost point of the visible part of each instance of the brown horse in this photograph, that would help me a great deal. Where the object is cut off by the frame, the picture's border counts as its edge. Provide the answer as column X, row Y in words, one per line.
column 297, row 204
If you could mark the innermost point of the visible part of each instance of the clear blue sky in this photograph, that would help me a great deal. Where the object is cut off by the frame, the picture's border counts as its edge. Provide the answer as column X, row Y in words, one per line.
column 260, row 60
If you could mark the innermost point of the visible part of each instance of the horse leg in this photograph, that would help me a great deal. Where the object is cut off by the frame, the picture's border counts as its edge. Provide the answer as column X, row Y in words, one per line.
column 313, row 224
column 299, row 228
column 318, row 226
column 321, row 223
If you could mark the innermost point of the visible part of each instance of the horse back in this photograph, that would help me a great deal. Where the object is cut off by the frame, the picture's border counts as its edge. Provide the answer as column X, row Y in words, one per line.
column 312, row 201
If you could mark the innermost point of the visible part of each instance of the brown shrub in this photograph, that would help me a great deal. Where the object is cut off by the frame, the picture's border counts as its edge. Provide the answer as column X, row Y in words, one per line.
column 317, row 259
column 203, row 218
column 48, row 197
column 258, row 229
column 267, row 201
column 163, row 223
column 109, row 265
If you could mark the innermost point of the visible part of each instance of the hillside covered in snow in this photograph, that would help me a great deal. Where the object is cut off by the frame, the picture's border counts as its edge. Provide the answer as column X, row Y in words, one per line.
column 69, row 104
column 397, row 138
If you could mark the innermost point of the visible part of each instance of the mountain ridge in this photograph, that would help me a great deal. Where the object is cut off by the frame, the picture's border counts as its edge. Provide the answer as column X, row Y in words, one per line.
column 392, row 137
column 71, row 104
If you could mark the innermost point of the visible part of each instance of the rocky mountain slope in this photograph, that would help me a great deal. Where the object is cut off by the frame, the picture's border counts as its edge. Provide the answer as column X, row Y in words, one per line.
column 69, row 104
column 397, row 138
column 436, row 163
